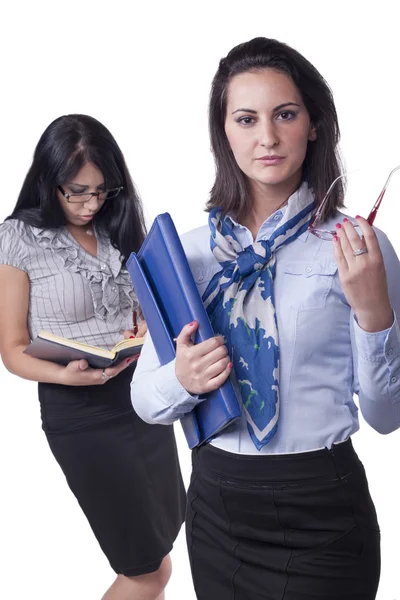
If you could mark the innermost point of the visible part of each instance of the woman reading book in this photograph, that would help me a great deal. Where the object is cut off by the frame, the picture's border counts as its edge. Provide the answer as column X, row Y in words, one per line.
column 62, row 270
column 305, row 313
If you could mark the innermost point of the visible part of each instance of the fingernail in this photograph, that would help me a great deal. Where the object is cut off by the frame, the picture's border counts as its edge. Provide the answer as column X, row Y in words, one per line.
column 129, row 360
column 345, row 220
column 230, row 365
column 335, row 238
column 338, row 226
column 131, row 337
column 358, row 217
column 191, row 324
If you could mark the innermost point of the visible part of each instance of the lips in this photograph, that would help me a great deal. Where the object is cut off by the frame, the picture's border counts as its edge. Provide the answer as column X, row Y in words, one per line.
column 270, row 161
column 273, row 157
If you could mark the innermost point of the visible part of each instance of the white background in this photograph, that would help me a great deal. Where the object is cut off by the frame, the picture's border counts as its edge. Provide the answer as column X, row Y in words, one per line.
column 144, row 69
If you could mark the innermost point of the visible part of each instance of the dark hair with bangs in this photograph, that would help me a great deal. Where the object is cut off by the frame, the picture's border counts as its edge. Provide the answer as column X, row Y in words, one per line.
column 322, row 163
column 64, row 147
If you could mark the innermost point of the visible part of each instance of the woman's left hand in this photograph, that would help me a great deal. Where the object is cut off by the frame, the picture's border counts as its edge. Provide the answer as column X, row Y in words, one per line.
column 141, row 328
column 139, row 332
column 363, row 277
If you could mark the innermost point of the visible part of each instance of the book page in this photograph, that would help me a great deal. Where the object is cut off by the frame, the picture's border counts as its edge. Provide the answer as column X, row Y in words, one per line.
column 128, row 343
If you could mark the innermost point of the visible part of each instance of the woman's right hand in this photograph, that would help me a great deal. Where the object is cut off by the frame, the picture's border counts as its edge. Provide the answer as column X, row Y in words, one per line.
column 203, row 367
column 78, row 372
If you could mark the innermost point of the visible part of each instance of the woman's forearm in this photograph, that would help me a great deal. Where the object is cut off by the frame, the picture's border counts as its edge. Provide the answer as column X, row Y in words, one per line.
column 33, row 369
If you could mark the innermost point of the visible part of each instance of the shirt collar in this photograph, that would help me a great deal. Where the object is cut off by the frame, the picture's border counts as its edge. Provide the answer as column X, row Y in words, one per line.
column 269, row 224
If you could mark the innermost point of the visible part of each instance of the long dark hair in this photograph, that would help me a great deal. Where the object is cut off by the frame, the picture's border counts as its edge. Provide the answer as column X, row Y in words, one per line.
column 322, row 162
column 64, row 147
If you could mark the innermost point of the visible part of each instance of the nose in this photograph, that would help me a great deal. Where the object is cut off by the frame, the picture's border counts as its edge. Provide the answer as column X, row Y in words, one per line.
column 92, row 204
column 269, row 135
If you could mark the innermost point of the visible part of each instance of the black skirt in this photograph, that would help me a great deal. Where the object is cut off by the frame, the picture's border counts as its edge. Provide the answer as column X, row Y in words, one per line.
column 282, row 527
column 124, row 473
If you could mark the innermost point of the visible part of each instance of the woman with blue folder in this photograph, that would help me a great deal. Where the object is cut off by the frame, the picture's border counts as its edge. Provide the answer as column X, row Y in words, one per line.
column 63, row 269
column 304, row 303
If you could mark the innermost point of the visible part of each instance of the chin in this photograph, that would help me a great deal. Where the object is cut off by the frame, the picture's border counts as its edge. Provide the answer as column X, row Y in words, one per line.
column 272, row 181
column 276, row 178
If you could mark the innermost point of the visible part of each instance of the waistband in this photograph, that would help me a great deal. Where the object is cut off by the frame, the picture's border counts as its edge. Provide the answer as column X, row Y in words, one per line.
column 336, row 462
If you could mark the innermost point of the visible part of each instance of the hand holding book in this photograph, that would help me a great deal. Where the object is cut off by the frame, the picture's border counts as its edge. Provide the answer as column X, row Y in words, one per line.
column 170, row 300
column 201, row 368
column 79, row 373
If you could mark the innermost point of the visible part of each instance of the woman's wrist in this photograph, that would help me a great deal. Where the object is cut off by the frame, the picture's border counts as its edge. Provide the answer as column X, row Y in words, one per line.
column 376, row 321
column 33, row 369
column 59, row 375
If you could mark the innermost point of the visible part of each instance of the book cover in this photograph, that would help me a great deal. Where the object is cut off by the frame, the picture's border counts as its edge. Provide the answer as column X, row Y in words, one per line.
column 169, row 300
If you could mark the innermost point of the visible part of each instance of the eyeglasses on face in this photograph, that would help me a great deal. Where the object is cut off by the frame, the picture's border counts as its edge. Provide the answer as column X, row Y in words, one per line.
column 328, row 234
column 86, row 196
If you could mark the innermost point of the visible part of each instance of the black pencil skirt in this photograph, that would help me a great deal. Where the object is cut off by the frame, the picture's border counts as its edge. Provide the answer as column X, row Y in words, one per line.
column 124, row 473
column 283, row 527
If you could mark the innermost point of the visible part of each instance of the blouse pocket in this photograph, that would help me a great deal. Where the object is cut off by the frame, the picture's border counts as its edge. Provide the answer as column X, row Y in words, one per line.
column 203, row 275
column 309, row 283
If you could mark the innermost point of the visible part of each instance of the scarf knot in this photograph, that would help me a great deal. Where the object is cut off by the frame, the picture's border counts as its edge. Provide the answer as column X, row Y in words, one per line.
column 248, row 260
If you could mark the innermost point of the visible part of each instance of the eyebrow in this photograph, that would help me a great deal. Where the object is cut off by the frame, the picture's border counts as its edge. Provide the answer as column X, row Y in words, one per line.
column 85, row 186
column 254, row 112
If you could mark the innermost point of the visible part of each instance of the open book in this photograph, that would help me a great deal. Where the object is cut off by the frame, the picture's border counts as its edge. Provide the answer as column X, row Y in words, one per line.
column 55, row 348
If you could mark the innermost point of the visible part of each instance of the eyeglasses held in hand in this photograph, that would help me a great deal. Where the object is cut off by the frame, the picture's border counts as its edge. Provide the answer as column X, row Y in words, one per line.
column 86, row 196
column 327, row 234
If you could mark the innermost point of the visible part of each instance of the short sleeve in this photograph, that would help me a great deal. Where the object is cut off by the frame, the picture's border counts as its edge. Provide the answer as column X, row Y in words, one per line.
column 13, row 250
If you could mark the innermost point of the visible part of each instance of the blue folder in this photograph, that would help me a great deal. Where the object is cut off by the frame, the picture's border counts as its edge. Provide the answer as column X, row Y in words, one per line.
column 169, row 299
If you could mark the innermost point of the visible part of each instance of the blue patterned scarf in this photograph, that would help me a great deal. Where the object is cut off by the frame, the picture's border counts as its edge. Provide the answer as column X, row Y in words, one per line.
column 240, row 303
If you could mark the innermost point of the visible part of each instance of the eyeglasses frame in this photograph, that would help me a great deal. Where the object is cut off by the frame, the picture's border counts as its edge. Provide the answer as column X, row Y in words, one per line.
column 68, row 196
column 370, row 219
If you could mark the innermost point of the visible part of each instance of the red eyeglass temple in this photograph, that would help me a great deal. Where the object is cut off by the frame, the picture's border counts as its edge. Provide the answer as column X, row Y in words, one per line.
column 374, row 211
column 372, row 214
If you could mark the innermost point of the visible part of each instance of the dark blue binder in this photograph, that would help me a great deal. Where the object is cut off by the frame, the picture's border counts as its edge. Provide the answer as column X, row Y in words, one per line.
column 169, row 299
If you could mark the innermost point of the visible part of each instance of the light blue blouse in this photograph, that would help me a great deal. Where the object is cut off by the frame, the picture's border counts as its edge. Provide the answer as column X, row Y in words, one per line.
column 325, row 357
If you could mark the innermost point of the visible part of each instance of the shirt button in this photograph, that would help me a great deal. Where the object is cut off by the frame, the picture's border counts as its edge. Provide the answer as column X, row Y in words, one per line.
column 103, row 267
column 393, row 379
column 308, row 269
column 114, row 289
column 277, row 217
column 390, row 351
column 200, row 278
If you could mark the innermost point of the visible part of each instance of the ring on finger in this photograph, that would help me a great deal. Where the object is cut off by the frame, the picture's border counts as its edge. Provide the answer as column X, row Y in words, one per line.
column 360, row 251
column 104, row 376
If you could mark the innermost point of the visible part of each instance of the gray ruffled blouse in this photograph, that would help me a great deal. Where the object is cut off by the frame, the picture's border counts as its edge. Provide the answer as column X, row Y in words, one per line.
column 72, row 293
